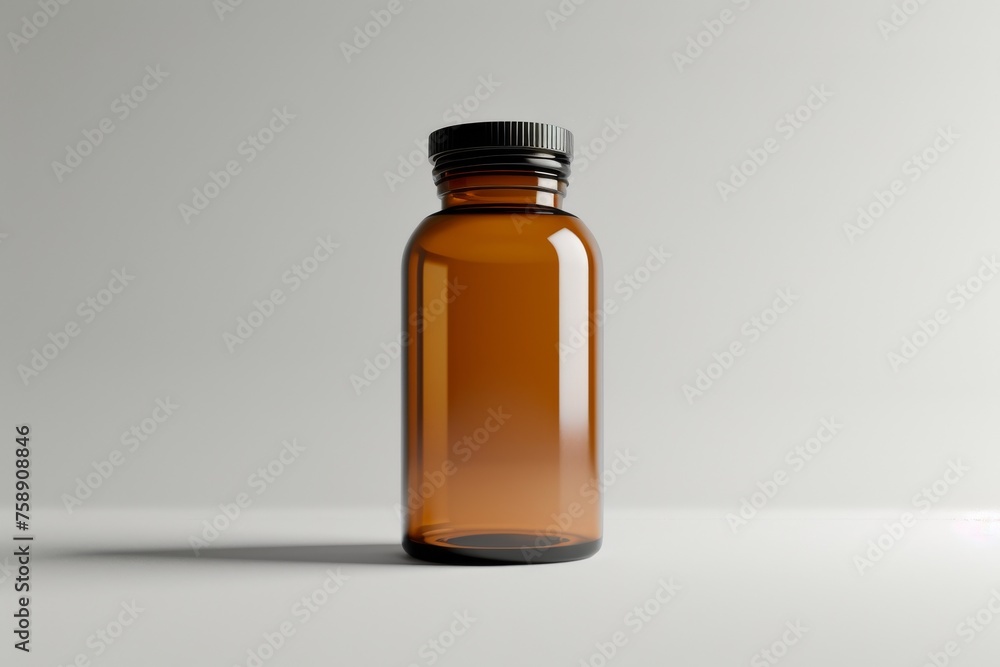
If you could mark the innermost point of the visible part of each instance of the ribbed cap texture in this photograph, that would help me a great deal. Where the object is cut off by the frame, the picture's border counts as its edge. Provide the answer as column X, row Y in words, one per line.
column 501, row 134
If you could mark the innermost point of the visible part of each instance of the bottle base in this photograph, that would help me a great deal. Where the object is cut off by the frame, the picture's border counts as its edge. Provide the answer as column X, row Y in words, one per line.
column 501, row 549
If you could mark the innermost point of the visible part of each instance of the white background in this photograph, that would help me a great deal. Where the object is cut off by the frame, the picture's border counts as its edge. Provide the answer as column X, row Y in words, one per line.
column 893, row 89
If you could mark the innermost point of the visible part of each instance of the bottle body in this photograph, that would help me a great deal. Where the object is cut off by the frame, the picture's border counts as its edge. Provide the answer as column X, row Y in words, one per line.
column 502, row 400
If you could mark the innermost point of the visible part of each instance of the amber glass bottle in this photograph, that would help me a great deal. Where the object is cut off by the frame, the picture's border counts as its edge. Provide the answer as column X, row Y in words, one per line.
column 502, row 394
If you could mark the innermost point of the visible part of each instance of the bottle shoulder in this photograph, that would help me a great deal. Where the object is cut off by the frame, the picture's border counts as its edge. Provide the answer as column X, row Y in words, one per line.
column 491, row 232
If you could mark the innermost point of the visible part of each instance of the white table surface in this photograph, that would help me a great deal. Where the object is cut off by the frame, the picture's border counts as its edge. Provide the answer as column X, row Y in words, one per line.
column 737, row 593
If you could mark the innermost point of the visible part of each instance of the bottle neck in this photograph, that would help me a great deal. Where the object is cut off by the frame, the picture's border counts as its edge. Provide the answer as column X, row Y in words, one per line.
column 489, row 188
